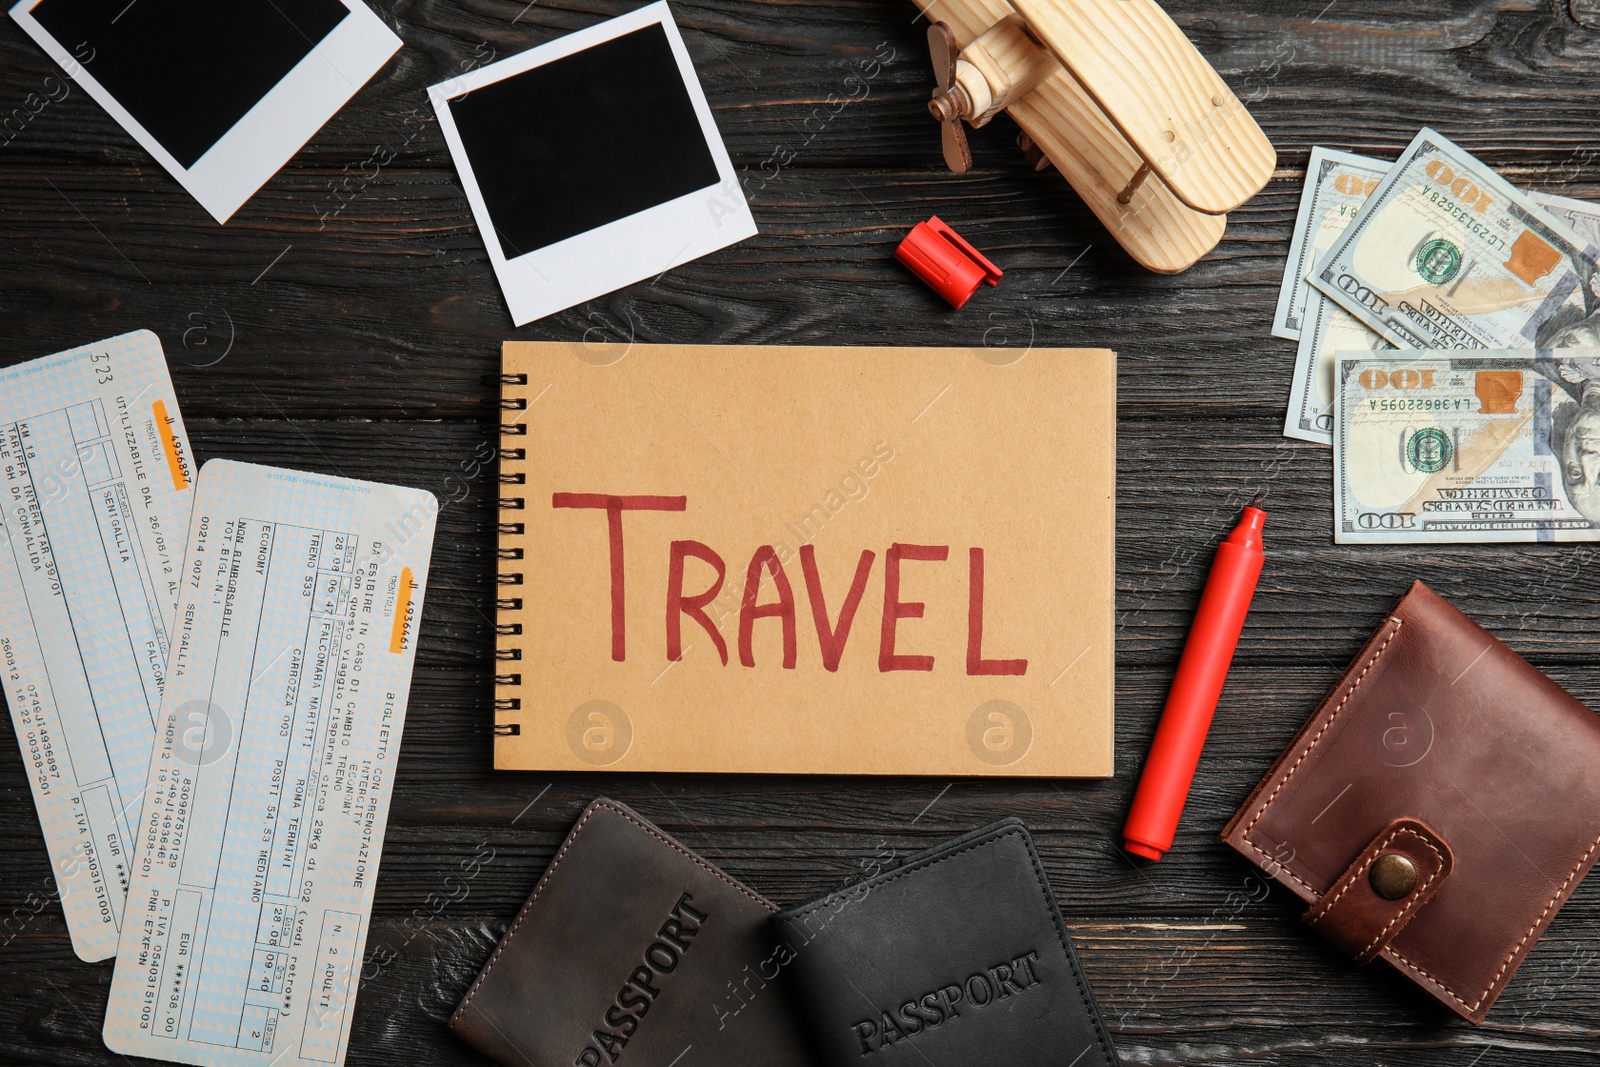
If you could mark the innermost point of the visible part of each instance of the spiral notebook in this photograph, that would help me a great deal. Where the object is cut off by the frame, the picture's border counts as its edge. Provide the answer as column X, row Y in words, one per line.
column 808, row 560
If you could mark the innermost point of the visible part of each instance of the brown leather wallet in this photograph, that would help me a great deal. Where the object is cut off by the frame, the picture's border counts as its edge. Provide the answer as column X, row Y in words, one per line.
column 1437, row 809
column 633, row 951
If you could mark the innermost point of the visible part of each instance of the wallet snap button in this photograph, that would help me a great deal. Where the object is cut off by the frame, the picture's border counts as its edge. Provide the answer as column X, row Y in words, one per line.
column 1393, row 876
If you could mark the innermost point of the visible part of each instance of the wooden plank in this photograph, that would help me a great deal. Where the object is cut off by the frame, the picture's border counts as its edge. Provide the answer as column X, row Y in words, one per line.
column 392, row 312
column 769, row 66
column 1242, row 982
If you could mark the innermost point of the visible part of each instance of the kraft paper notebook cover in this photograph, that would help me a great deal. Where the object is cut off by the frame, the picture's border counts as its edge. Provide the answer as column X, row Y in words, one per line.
column 807, row 560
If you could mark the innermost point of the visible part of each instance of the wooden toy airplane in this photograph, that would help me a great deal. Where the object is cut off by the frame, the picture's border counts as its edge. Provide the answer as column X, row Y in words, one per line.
column 1113, row 95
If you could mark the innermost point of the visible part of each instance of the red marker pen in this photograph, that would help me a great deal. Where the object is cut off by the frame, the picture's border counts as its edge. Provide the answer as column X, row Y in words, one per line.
column 1175, row 752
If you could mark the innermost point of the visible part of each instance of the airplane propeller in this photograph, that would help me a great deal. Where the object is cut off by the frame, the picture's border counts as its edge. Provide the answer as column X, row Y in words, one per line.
column 949, row 99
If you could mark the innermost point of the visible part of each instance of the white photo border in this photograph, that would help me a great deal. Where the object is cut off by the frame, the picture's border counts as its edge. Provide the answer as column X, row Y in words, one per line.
column 270, row 133
column 642, row 245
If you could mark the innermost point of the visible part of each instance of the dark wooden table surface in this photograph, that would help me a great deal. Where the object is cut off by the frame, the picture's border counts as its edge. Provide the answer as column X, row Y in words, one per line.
column 346, row 321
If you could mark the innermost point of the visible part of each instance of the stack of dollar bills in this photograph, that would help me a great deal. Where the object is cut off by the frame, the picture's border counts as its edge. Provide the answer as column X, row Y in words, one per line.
column 1449, row 348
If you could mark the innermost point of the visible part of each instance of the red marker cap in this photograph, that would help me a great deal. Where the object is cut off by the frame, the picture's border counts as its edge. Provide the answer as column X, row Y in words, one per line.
column 938, row 255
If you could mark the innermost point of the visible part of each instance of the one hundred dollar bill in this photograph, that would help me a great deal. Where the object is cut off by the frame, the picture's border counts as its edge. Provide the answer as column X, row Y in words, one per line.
column 1337, row 184
column 1447, row 254
column 1330, row 332
column 1440, row 447
column 1580, row 215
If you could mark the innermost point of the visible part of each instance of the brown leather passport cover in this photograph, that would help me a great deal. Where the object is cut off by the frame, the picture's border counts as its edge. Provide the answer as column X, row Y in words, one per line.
column 1446, row 770
column 632, row 951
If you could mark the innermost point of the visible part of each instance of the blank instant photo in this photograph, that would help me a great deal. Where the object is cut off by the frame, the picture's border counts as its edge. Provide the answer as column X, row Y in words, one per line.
column 591, row 162
column 222, row 92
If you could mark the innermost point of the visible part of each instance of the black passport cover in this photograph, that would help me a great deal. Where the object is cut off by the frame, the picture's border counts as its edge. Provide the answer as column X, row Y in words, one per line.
column 957, row 957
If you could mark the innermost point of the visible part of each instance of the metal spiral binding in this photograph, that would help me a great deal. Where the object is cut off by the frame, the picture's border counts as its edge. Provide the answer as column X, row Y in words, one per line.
column 508, row 577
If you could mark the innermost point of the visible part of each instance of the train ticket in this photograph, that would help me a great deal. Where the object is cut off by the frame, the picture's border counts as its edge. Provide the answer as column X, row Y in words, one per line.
column 94, row 502
column 269, row 780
